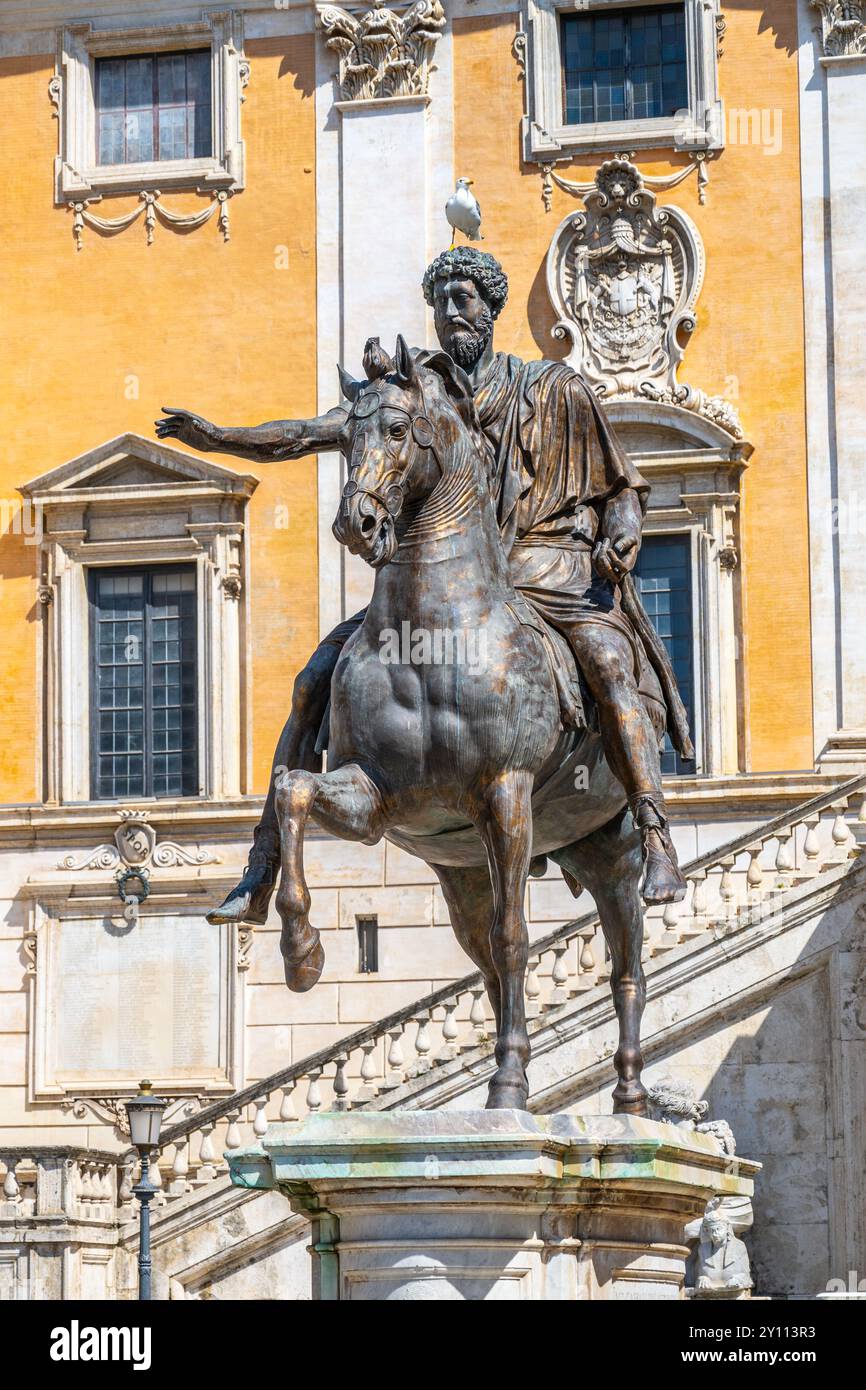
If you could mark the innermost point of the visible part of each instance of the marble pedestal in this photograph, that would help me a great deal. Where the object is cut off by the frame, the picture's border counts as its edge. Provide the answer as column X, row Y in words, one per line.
column 493, row 1204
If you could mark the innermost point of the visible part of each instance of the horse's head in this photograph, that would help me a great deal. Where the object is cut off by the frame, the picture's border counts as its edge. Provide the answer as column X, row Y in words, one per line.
column 399, row 440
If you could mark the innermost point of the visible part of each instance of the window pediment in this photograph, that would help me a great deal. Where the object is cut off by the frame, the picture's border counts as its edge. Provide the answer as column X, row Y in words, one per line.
column 132, row 464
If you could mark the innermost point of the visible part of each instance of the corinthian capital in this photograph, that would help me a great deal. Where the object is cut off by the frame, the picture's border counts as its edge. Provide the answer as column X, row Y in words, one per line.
column 383, row 53
column 843, row 27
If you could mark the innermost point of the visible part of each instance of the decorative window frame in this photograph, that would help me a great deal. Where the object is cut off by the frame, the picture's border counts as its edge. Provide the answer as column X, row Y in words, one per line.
column 58, row 897
column 77, row 174
column 695, row 471
column 133, row 501
column 546, row 137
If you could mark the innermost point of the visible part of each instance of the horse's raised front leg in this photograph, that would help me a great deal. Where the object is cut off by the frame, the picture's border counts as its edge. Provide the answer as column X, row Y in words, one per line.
column 610, row 863
column 507, row 833
column 345, row 802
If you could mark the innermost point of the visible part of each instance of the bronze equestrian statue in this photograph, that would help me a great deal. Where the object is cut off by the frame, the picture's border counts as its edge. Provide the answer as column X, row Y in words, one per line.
column 489, row 495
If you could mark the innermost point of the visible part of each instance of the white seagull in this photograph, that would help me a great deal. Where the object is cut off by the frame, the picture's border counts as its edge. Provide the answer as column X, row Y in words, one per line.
column 464, row 213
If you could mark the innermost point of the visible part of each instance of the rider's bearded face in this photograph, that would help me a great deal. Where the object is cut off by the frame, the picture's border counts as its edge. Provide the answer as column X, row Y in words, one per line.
column 464, row 323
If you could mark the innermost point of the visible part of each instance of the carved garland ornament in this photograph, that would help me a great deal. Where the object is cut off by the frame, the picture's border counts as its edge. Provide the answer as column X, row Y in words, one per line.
column 382, row 54
column 843, row 27
column 150, row 205
column 624, row 277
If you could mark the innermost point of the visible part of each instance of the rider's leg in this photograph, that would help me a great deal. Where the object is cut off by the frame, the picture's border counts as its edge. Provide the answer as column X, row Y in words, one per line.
column 248, row 901
column 631, row 746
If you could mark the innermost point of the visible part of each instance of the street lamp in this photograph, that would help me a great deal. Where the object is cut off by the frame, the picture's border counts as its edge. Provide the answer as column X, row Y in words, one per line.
column 145, row 1119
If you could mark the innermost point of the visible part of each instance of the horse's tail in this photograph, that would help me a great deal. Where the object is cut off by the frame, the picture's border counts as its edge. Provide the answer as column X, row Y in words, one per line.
column 677, row 718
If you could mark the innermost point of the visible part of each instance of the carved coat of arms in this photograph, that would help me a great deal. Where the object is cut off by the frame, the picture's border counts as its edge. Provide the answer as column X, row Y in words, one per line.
column 624, row 278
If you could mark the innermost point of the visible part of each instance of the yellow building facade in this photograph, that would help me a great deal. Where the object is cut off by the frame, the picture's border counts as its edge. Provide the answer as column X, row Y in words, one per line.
column 227, row 274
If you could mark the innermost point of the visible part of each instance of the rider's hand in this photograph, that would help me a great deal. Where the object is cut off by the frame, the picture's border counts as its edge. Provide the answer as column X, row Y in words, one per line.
column 614, row 557
column 190, row 429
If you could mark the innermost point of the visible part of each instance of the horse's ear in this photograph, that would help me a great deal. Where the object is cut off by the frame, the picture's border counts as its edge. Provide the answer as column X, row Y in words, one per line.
column 348, row 385
column 404, row 364
column 457, row 385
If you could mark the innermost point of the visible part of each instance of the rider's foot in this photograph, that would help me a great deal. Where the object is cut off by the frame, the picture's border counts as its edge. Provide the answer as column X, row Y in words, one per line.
column 249, row 900
column 663, row 882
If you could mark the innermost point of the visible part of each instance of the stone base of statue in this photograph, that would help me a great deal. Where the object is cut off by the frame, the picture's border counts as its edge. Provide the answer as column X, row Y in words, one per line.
column 493, row 1204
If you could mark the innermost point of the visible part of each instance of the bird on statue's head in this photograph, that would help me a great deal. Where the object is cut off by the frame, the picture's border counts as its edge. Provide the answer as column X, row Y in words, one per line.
column 463, row 212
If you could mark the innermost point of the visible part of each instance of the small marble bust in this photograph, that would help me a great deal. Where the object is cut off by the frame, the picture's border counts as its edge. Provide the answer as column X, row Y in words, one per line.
column 720, row 1261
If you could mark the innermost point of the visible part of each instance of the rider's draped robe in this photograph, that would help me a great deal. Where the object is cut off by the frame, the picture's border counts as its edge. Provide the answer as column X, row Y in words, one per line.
column 555, row 463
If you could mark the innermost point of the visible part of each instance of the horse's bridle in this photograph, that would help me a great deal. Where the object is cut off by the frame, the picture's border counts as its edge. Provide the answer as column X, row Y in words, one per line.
column 390, row 495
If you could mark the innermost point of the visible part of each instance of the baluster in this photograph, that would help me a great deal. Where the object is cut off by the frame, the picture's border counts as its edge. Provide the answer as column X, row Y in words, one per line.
column 477, row 1016
column 369, row 1071
column 728, row 890
column 532, row 988
column 811, row 847
column 841, row 835
column 156, row 1175
column 11, row 1190
column 207, row 1169
column 124, row 1190
column 670, row 937
column 449, row 1049
column 784, row 859
column 858, row 829
column 341, row 1085
column 107, row 1183
column 755, row 884
column 696, row 923
column 86, row 1193
column 180, row 1169
column 559, row 977
column 287, row 1104
column 314, row 1093
column 233, row 1132
column 586, row 959
column 260, row 1119
column 395, row 1074
column 423, row 1045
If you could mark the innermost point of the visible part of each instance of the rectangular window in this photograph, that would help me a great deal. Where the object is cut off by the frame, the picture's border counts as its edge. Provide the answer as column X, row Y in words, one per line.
column 624, row 66
column 144, row 735
column 368, row 945
column 154, row 106
column 663, row 575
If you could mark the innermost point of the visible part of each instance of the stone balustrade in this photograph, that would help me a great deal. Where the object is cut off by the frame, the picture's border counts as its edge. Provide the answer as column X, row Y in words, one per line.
column 74, row 1184
column 731, row 888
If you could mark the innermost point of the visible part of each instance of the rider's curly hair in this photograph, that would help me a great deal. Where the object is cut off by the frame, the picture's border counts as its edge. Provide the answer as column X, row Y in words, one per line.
column 479, row 266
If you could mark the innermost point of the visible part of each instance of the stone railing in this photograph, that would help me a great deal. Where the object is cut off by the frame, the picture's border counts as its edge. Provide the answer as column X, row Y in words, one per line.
column 78, row 1185
column 730, row 888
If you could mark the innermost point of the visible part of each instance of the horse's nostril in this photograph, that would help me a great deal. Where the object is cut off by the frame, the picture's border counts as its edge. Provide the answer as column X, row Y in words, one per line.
column 367, row 525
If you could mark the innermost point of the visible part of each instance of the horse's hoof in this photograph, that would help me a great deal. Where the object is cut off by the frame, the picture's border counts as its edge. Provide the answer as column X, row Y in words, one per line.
column 303, row 974
column 630, row 1102
column 507, row 1095
column 249, row 900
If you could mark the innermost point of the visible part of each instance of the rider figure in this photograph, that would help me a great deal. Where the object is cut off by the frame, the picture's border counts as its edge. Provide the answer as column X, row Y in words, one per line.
column 570, row 507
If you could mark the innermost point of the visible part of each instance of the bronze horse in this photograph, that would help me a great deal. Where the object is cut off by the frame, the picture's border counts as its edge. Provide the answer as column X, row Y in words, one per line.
column 463, row 762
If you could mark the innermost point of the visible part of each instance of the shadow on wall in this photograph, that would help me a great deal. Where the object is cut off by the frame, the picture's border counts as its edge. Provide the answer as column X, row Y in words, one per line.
column 304, row 74
column 777, row 16
column 19, row 545
column 541, row 316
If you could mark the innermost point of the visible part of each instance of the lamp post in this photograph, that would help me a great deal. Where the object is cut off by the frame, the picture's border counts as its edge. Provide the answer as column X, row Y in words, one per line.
column 145, row 1119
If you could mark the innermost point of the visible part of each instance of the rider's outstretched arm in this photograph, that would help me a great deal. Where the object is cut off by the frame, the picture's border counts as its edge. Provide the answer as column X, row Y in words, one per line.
column 267, row 443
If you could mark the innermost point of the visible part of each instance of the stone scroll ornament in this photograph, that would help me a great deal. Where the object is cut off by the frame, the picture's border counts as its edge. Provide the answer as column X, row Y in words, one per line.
column 624, row 277
column 382, row 53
